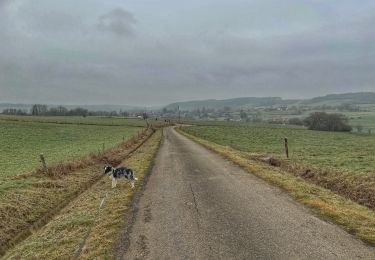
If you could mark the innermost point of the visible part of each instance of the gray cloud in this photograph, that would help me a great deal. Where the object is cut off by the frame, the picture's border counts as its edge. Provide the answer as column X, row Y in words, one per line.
column 3, row 2
column 118, row 21
column 51, row 52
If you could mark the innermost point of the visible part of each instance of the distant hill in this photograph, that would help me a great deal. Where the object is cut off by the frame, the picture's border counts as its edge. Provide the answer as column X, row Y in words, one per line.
column 347, row 98
column 244, row 102
column 358, row 98
column 251, row 102
column 109, row 108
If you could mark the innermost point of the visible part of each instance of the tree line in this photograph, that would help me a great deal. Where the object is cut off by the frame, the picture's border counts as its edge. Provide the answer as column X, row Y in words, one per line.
column 44, row 110
column 320, row 121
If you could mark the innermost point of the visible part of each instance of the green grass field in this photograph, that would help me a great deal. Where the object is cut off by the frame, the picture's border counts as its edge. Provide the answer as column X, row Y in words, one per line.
column 353, row 152
column 27, row 196
column 78, row 120
column 65, row 232
column 29, row 201
column 24, row 138
column 364, row 118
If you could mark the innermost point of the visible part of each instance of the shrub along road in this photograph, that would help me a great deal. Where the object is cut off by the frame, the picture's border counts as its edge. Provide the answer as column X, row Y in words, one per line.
column 196, row 205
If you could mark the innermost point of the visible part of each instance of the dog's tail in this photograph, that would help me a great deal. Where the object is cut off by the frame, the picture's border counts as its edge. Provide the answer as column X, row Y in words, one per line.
column 135, row 178
column 132, row 177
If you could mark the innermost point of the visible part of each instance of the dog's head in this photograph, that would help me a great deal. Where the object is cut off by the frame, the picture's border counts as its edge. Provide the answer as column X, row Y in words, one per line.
column 107, row 169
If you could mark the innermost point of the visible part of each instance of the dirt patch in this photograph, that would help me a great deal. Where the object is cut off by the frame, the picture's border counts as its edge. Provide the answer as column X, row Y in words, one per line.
column 48, row 185
column 147, row 214
column 271, row 161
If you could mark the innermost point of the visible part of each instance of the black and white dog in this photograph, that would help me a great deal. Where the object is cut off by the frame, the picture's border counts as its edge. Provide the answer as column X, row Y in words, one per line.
column 116, row 173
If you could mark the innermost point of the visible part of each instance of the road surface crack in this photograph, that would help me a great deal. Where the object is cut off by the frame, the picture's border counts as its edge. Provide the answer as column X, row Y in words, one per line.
column 195, row 205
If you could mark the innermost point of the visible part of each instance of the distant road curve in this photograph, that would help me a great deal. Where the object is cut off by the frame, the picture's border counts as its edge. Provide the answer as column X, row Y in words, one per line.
column 196, row 205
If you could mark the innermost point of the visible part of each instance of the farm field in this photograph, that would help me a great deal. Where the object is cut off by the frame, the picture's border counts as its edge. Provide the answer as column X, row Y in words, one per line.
column 22, row 141
column 63, row 235
column 78, row 120
column 75, row 156
column 365, row 118
column 349, row 152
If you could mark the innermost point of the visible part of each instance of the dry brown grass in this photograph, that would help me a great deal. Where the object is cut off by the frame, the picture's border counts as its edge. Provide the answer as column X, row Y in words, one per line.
column 359, row 188
column 341, row 162
column 355, row 218
column 40, row 197
column 64, row 234
column 112, row 156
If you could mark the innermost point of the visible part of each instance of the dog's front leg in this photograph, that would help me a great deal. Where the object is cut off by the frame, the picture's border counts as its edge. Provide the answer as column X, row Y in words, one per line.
column 114, row 182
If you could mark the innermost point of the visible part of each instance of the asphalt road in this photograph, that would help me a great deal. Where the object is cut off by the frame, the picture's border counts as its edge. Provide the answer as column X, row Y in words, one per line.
column 197, row 205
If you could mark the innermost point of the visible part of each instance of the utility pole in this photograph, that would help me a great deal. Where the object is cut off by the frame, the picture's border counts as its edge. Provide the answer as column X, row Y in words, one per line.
column 44, row 164
column 286, row 147
column 179, row 115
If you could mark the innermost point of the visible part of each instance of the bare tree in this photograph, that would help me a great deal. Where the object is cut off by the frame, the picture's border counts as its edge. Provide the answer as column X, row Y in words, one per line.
column 359, row 128
column 145, row 117
column 39, row 110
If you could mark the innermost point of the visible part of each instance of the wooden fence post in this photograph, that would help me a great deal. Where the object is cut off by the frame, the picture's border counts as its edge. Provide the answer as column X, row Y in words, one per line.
column 286, row 147
column 44, row 164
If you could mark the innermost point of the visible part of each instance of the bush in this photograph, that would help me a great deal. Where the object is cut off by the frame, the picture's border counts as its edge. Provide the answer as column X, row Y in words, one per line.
column 322, row 121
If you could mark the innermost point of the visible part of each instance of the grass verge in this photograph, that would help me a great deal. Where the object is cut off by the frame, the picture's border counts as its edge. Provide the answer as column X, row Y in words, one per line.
column 37, row 197
column 355, row 218
column 82, row 224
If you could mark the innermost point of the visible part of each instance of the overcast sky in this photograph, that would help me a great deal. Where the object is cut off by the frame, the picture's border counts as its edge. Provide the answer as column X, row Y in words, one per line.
column 154, row 52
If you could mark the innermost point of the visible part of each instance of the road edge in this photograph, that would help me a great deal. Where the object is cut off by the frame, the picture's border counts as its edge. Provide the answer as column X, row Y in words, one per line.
column 126, row 229
column 356, row 219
